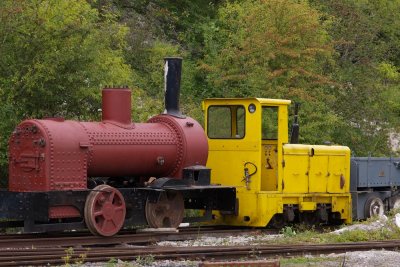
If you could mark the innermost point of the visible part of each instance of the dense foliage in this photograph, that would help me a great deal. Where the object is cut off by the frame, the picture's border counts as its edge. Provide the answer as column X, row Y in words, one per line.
column 340, row 59
column 54, row 57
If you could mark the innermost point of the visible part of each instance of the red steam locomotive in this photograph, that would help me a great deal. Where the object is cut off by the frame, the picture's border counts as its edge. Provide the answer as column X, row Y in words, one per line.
column 107, row 175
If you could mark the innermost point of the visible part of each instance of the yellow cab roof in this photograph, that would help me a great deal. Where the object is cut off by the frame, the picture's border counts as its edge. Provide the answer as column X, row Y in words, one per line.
column 251, row 99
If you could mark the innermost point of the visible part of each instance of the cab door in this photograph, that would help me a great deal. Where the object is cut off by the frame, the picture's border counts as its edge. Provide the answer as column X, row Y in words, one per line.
column 234, row 142
column 269, row 148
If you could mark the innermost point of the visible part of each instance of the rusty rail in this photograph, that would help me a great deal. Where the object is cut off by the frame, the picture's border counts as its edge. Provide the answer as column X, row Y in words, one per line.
column 41, row 256
column 87, row 239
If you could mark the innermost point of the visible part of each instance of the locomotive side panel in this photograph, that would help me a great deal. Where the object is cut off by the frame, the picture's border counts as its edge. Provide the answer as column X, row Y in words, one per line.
column 46, row 155
column 68, row 155
column 27, row 154
column 148, row 149
column 296, row 170
column 316, row 169
column 192, row 146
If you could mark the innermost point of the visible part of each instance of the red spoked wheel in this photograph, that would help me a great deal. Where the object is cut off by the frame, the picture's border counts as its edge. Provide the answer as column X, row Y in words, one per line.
column 105, row 210
column 167, row 212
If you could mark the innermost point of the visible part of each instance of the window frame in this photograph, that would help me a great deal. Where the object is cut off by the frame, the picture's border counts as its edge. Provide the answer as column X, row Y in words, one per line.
column 277, row 122
column 230, row 119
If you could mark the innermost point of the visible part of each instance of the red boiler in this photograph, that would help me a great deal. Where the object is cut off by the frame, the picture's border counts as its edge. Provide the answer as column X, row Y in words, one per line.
column 53, row 154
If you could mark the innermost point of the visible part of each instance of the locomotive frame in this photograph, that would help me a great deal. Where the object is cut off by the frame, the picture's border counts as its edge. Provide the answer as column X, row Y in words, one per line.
column 31, row 209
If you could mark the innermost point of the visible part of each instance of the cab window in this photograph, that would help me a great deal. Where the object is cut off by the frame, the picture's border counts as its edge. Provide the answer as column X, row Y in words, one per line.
column 269, row 123
column 226, row 122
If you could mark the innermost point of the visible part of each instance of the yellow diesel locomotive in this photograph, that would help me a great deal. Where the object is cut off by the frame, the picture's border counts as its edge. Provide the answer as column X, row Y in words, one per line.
column 276, row 182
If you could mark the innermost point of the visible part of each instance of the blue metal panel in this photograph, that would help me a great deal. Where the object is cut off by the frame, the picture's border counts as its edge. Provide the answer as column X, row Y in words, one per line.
column 354, row 184
column 368, row 172
column 395, row 172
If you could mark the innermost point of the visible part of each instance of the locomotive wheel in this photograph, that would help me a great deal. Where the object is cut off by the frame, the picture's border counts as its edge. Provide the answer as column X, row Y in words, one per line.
column 278, row 221
column 167, row 212
column 105, row 210
column 374, row 207
column 309, row 218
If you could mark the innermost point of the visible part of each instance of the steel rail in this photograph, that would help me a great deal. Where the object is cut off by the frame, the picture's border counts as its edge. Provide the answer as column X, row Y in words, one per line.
column 41, row 256
column 20, row 241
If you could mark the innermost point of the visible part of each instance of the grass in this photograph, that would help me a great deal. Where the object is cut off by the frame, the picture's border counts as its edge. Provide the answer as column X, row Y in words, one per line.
column 71, row 260
column 301, row 234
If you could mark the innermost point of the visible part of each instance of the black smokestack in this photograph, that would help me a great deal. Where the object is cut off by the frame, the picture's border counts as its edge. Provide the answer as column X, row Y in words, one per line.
column 172, row 79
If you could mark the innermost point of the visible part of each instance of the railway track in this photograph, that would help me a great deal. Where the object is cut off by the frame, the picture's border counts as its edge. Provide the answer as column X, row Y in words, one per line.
column 127, row 237
column 52, row 256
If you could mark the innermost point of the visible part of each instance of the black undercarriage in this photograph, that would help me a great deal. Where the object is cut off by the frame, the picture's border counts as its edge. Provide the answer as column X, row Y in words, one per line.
column 30, row 210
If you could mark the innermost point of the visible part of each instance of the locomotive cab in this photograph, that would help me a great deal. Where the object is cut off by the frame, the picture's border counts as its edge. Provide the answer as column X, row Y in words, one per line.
column 276, row 182
column 257, row 128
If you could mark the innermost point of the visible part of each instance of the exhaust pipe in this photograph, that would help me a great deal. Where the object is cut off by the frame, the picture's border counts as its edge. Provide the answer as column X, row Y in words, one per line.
column 294, row 137
column 116, row 106
column 172, row 85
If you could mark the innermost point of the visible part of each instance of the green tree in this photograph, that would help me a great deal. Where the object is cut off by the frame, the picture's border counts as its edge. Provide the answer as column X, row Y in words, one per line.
column 274, row 49
column 266, row 47
column 366, row 36
column 55, row 56
column 159, row 29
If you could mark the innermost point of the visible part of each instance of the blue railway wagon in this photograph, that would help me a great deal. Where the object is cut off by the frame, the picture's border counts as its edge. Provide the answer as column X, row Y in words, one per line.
column 374, row 185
